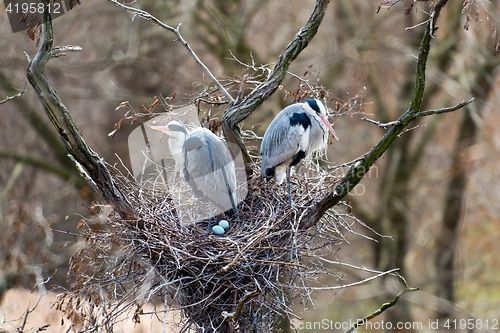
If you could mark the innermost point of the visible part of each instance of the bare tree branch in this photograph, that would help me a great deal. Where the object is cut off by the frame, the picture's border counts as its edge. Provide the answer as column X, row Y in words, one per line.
column 147, row 16
column 357, row 283
column 235, row 315
column 379, row 124
column 384, row 306
column 421, row 114
column 445, row 110
column 14, row 96
column 240, row 110
column 358, row 170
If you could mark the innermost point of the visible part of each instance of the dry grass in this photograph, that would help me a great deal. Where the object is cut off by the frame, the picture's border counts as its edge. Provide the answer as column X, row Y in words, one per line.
column 42, row 317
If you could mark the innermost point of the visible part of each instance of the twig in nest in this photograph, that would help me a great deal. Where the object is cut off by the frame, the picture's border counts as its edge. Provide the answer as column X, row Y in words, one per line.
column 236, row 314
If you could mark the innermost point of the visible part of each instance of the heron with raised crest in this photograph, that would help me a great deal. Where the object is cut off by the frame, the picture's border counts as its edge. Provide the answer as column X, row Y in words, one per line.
column 295, row 133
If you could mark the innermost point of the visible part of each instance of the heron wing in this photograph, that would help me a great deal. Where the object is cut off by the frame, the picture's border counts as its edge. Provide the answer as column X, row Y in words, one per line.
column 211, row 169
column 281, row 141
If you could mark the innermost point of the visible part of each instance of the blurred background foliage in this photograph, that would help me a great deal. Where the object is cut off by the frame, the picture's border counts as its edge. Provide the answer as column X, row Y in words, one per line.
column 435, row 191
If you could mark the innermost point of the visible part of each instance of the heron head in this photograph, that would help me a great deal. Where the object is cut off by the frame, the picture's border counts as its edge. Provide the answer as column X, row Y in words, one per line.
column 173, row 128
column 319, row 108
column 177, row 133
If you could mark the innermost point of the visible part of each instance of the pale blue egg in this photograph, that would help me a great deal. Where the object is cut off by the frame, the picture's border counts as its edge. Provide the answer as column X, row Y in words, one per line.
column 218, row 230
column 224, row 224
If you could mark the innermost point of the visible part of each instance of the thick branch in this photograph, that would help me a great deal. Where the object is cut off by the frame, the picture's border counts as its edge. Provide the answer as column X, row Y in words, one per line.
column 88, row 160
column 358, row 171
column 233, row 316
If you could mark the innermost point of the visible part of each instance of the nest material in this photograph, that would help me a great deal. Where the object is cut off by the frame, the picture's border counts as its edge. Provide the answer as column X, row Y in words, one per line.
column 245, row 280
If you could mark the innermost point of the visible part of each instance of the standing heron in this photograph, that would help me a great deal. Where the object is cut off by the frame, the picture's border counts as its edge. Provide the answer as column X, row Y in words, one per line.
column 296, row 132
column 205, row 164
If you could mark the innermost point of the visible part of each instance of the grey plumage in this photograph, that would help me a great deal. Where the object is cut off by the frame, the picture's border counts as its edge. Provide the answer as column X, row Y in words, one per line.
column 204, row 162
column 296, row 132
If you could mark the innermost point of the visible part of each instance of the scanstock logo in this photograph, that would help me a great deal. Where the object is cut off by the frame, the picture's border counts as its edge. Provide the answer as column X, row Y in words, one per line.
column 154, row 167
column 27, row 14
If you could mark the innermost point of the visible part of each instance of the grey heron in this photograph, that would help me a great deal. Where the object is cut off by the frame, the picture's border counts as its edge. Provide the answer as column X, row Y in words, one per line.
column 296, row 132
column 205, row 164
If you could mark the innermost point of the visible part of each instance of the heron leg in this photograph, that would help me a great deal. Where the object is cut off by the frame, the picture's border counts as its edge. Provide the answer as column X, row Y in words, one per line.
column 289, row 186
column 305, row 179
column 209, row 227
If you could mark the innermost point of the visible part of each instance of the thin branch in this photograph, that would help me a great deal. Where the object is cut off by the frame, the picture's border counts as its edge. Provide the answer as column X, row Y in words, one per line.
column 333, row 168
column 384, row 306
column 417, row 25
column 14, row 96
column 379, row 124
column 445, row 110
column 390, row 272
column 42, row 291
column 411, row 129
column 420, row 114
column 306, row 82
column 148, row 17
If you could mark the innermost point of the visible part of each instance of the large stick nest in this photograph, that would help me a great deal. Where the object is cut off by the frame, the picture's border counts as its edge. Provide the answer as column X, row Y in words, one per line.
column 244, row 280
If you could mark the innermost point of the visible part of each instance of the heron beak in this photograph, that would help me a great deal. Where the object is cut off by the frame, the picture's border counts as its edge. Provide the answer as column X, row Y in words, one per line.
column 163, row 129
column 325, row 121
